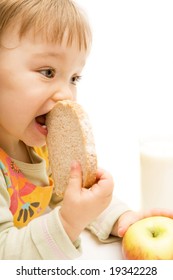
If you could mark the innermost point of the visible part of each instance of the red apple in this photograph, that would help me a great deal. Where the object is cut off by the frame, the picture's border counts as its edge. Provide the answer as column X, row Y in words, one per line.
column 149, row 239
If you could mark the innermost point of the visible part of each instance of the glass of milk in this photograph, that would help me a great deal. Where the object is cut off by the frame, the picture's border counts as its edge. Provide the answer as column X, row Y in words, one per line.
column 156, row 165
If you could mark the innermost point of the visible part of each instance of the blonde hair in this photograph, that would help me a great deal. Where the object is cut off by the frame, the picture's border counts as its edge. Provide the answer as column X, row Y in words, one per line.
column 53, row 18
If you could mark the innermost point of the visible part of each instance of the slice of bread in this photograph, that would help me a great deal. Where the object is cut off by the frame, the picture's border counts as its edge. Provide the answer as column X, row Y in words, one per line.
column 70, row 138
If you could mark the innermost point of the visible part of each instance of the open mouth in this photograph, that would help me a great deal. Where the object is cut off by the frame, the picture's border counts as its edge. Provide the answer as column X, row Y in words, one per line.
column 41, row 120
column 41, row 124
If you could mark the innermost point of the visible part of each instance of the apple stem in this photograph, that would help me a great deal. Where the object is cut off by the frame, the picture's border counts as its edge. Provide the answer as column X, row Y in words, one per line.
column 154, row 233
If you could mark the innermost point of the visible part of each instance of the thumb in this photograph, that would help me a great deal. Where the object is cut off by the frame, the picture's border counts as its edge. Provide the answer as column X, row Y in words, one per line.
column 75, row 179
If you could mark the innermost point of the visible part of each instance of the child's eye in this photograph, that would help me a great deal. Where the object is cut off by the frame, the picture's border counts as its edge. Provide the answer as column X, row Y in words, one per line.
column 48, row 73
column 75, row 79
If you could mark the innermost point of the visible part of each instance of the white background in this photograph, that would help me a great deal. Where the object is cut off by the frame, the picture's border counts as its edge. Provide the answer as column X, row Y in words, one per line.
column 127, row 83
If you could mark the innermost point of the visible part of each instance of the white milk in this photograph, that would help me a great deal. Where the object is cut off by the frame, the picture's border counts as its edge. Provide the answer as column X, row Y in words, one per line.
column 156, row 160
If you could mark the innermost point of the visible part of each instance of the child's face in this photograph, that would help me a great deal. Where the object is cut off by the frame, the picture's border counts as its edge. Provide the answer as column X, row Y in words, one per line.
column 34, row 76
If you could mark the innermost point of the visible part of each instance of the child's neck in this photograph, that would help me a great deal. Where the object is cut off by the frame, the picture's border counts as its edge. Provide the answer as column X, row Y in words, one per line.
column 22, row 154
column 19, row 152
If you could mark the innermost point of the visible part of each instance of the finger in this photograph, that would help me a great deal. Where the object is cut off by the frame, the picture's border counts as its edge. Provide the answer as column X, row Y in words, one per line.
column 104, row 187
column 159, row 212
column 127, row 219
column 100, row 172
column 75, row 179
column 105, row 179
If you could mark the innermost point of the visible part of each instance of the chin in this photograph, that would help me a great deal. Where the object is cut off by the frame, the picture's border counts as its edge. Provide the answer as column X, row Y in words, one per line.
column 149, row 239
column 35, row 142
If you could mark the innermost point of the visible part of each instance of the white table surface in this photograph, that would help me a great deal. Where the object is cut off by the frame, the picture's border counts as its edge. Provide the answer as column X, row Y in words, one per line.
column 94, row 249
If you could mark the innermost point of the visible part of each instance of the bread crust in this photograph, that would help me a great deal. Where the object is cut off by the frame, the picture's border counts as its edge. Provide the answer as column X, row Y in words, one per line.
column 70, row 138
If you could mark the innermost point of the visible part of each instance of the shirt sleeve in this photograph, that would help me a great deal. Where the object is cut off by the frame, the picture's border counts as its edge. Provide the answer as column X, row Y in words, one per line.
column 102, row 226
column 42, row 239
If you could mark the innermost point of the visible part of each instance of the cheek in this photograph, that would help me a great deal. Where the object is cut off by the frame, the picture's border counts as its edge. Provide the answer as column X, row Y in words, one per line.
column 14, row 105
column 75, row 96
column 74, row 92
column 10, row 83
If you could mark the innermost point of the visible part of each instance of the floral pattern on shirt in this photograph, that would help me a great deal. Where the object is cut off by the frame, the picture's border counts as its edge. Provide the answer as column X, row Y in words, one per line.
column 28, row 201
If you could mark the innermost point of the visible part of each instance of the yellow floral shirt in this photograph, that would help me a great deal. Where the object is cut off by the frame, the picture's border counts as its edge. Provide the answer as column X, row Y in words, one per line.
column 28, row 201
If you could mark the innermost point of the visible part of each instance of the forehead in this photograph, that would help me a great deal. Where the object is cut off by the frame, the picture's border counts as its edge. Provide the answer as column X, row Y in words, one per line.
column 38, row 49
column 11, row 38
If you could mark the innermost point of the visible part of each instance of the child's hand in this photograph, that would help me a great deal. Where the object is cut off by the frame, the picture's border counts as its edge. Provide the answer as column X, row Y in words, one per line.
column 128, row 218
column 80, row 205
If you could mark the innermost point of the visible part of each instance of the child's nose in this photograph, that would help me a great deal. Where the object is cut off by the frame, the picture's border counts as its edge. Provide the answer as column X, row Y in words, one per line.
column 62, row 94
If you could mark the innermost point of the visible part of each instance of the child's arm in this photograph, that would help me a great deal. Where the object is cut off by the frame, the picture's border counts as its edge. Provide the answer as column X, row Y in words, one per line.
column 50, row 236
column 81, row 206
